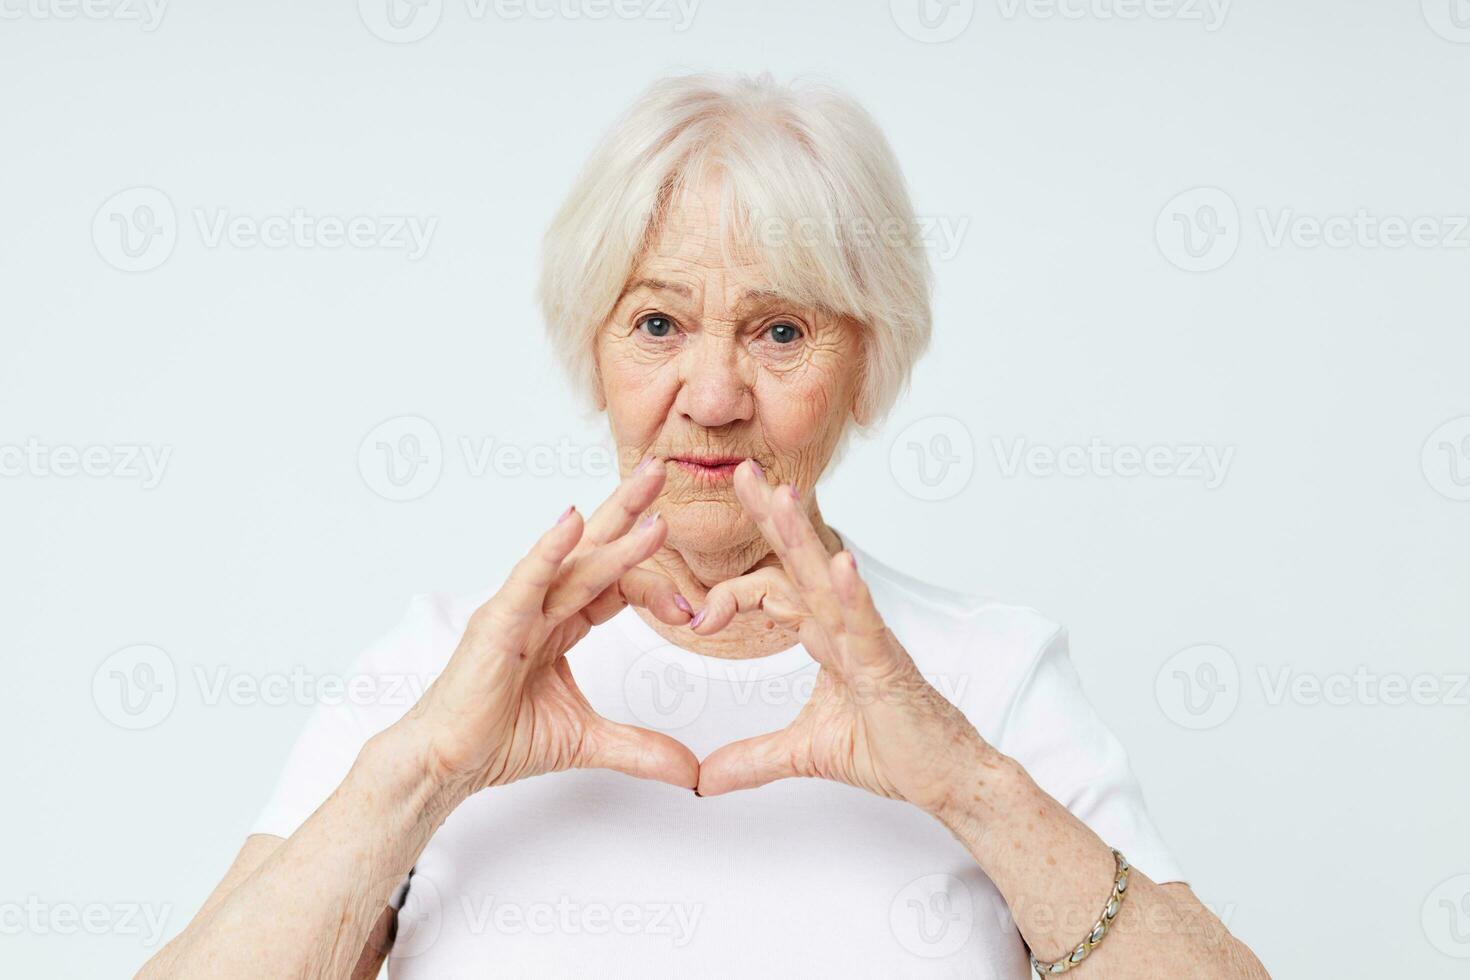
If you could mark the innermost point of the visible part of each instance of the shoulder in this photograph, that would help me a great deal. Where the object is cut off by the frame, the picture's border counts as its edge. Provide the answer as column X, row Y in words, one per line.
column 977, row 651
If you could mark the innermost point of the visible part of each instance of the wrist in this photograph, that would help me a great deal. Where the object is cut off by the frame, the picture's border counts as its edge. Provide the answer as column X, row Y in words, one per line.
column 395, row 769
column 990, row 791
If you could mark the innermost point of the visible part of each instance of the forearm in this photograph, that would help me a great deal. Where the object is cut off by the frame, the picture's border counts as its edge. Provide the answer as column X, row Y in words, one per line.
column 1056, row 875
column 310, row 908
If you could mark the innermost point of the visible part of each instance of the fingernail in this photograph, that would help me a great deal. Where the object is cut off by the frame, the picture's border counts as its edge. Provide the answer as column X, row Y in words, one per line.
column 698, row 618
column 683, row 604
column 698, row 793
column 648, row 521
column 794, row 494
column 566, row 513
column 643, row 464
column 851, row 561
column 758, row 471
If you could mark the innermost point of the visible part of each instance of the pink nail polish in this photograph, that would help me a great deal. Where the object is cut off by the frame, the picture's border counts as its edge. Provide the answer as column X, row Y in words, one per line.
column 758, row 471
column 566, row 513
column 643, row 464
column 795, row 495
column 648, row 521
column 683, row 605
column 698, row 618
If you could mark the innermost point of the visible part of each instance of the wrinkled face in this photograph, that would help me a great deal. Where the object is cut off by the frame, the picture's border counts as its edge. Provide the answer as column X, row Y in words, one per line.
column 703, row 364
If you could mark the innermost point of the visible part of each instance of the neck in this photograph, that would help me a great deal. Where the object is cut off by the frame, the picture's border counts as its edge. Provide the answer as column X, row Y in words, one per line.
column 695, row 572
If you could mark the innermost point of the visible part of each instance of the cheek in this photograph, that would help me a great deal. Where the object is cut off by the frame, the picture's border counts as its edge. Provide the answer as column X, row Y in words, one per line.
column 802, row 414
column 638, row 392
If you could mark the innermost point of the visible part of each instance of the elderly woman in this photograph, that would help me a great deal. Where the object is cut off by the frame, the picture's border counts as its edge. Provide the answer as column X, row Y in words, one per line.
column 736, row 282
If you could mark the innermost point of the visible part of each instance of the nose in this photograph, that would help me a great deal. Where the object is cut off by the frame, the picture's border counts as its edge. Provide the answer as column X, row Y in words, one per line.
column 713, row 389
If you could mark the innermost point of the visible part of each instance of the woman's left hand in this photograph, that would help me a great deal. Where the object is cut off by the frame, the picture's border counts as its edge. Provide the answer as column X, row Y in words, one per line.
column 872, row 721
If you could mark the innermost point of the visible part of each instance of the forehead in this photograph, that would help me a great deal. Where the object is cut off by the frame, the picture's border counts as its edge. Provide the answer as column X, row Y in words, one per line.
column 700, row 242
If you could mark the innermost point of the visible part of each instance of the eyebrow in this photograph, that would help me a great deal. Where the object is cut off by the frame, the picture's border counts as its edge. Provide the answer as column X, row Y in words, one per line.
column 761, row 295
column 659, row 286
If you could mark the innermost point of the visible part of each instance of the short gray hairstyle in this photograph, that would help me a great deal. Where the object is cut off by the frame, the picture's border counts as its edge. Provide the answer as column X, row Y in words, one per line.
column 810, row 187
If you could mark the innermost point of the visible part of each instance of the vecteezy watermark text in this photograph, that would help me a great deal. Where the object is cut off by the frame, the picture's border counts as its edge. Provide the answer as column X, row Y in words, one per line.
column 148, row 14
column 138, row 228
column 1200, row 687
column 37, row 917
column 1201, row 229
column 121, row 461
column 403, row 458
column 407, row 21
column 1207, row 464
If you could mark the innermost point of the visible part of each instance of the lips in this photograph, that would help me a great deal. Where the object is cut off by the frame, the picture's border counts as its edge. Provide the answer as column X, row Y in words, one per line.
column 709, row 469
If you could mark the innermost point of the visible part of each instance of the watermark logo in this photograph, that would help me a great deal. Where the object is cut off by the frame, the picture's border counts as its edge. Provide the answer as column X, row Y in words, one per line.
column 674, row 922
column 401, row 459
column 136, row 229
column 406, row 21
column 1210, row 13
column 299, row 686
column 932, row 21
column 941, row 235
column 1362, row 229
column 404, row 458
column 148, row 14
column 1445, row 459
column 1363, row 686
column 1206, row 464
column 400, row 21
column 124, row 461
column 1450, row 19
column 144, row 921
column 663, row 694
column 1445, row 917
column 933, row 458
column 932, row 916
column 1199, row 687
column 300, row 229
column 420, row 919
column 136, row 687
column 1199, row 229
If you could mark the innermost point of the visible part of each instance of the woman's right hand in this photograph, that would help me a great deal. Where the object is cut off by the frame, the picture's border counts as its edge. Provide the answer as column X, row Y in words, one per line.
column 506, row 706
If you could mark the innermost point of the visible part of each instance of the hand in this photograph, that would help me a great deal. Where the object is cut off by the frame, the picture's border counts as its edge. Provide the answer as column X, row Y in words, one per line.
column 873, row 721
column 506, row 707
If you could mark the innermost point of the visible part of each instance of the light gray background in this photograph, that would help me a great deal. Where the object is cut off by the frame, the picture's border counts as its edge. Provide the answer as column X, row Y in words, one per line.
column 1331, row 836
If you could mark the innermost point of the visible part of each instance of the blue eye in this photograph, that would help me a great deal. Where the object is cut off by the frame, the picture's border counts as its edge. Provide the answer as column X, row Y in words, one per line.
column 656, row 326
column 783, row 333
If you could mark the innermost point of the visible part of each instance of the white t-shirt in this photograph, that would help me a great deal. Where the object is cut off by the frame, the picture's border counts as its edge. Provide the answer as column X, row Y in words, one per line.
column 592, row 873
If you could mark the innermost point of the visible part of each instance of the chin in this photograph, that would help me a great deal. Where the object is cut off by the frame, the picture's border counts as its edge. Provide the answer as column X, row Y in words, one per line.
column 706, row 526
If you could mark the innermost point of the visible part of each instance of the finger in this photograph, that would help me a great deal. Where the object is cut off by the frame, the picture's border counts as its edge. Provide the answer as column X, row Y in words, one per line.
column 805, row 559
column 525, row 588
column 766, row 505
column 748, row 763
column 865, row 635
column 637, row 752
column 585, row 576
column 754, row 494
column 612, row 519
column 656, row 593
column 765, row 590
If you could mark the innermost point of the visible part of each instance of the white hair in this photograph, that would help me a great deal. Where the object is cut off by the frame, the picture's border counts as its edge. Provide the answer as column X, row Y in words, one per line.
column 810, row 188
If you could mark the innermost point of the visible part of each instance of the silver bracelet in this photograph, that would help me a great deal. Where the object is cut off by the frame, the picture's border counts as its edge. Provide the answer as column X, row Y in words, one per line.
column 1110, row 912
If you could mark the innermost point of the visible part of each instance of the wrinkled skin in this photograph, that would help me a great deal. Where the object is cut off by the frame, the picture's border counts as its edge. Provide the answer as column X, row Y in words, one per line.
column 702, row 356
column 872, row 722
column 506, row 706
